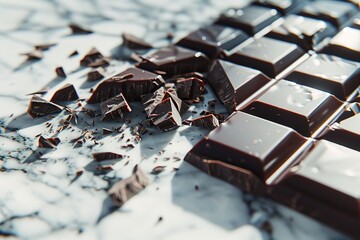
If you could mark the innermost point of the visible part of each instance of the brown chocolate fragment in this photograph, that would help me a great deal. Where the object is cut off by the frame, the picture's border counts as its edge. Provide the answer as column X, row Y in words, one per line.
column 158, row 169
column 60, row 72
column 34, row 55
column 166, row 116
column 94, row 75
column 101, row 62
column 41, row 92
column 74, row 53
column 127, row 188
column 44, row 47
column 208, row 121
column 76, row 29
column 114, row 108
column 106, row 131
column 133, row 42
column 103, row 156
column 219, row 116
column 92, row 56
column 190, row 88
column 132, row 83
column 48, row 142
column 39, row 107
column 65, row 93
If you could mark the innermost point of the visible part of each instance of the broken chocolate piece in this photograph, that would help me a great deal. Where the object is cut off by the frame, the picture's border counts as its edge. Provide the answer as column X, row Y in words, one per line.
column 34, row 55
column 208, row 121
column 133, row 42
column 94, row 75
column 74, row 53
column 106, row 131
column 76, row 29
column 174, row 60
column 44, row 47
column 60, row 72
column 65, row 93
column 127, row 188
column 132, row 83
column 92, row 56
column 41, row 92
column 166, row 116
column 114, row 108
column 39, row 107
column 101, row 62
column 103, row 156
column 219, row 116
column 158, row 169
column 48, row 142
column 190, row 88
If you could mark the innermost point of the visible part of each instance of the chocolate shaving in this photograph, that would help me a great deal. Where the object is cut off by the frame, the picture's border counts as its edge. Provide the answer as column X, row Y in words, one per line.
column 102, row 156
column 65, row 93
column 133, row 42
column 114, row 108
column 39, row 107
column 207, row 121
column 48, row 142
column 76, row 29
column 127, row 188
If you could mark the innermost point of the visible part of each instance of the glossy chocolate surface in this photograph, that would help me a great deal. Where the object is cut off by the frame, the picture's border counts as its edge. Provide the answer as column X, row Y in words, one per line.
column 250, row 19
column 268, row 55
column 303, row 31
column 234, row 83
column 65, row 93
column 283, row 6
column 301, row 108
column 328, row 73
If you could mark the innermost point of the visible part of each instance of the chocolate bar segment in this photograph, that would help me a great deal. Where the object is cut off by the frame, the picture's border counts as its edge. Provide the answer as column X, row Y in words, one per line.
column 267, row 55
column 234, row 83
column 249, row 142
column 250, row 19
column 345, row 44
column 304, row 32
column 173, row 60
column 301, row 108
column 132, row 83
column 328, row 73
column 213, row 39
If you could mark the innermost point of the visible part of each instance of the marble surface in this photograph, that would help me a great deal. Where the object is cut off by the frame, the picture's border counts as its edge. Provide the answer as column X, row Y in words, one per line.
column 40, row 195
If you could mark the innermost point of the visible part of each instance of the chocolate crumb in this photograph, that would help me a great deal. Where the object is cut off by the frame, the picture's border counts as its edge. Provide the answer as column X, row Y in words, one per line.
column 60, row 72
column 74, row 53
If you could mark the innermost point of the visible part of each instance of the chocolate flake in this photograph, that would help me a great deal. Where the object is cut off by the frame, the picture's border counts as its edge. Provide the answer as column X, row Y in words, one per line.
column 114, row 108
column 102, row 156
column 190, row 88
column 41, row 92
column 60, row 72
column 208, row 121
column 133, row 42
column 34, row 55
column 127, row 188
column 44, row 47
column 76, row 29
column 92, row 56
column 74, row 53
column 39, row 107
column 65, row 93
column 48, row 142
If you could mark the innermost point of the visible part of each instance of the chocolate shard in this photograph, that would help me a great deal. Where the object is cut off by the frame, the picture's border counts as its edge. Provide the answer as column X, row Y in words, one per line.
column 158, row 169
column 208, row 121
column 133, row 42
column 132, row 83
column 127, row 188
column 174, row 60
column 103, row 156
column 166, row 116
column 60, row 72
column 39, row 107
column 48, row 142
column 74, row 53
column 190, row 88
column 41, row 92
column 34, row 55
column 44, row 47
column 221, row 117
column 106, row 131
column 101, row 62
column 114, row 108
column 95, row 75
column 92, row 56
column 65, row 93
column 76, row 29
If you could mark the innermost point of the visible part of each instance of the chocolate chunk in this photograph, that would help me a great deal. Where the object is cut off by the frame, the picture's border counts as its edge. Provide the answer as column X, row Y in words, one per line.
column 103, row 156
column 301, row 108
column 249, row 142
column 127, row 188
column 207, row 121
column 101, row 62
column 166, row 116
column 92, row 56
column 65, row 93
column 345, row 44
column 41, row 92
column 219, row 116
column 234, row 83
column 174, row 60
column 74, row 53
column 114, row 108
column 250, row 19
column 60, row 72
column 190, row 88
column 213, row 40
column 132, row 83
column 305, row 32
column 328, row 73
column 39, row 107
column 34, row 55
column 76, row 29
column 133, row 42
column 94, row 75
column 267, row 55
column 48, row 142
column 44, row 47
column 334, row 12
